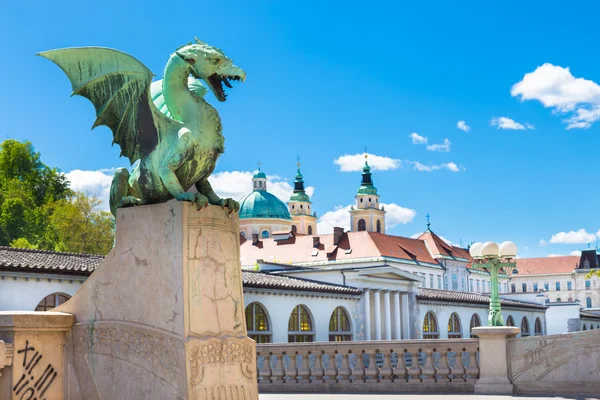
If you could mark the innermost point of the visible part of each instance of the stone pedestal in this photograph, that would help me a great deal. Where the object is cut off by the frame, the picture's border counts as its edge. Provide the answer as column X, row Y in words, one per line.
column 493, row 360
column 163, row 316
column 37, row 353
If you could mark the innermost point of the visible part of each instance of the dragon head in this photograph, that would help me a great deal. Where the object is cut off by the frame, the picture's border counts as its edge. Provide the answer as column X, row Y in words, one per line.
column 211, row 65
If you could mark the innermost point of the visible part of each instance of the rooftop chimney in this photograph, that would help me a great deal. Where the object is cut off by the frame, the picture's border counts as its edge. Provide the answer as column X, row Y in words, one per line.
column 316, row 242
column 337, row 235
column 254, row 239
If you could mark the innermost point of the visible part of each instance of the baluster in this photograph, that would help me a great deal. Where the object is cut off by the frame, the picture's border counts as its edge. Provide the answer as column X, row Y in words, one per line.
column 260, row 368
column 451, row 358
column 427, row 371
column 275, row 369
column 435, row 358
column 412, row 366
column 380, row 365
column 302, row 371
column 327, row 367
column 442, row 370
column 312, row 366
column 286, row 360
column 352, row 365
column 394, row 367
column 470, row 365
column 370, row 370
column 338, row 362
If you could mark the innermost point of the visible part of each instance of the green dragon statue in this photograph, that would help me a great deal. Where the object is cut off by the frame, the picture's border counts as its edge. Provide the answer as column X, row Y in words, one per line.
column 167, row 125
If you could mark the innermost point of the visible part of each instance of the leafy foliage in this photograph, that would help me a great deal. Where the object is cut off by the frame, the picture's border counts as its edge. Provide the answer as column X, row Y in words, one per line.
column 39, row 210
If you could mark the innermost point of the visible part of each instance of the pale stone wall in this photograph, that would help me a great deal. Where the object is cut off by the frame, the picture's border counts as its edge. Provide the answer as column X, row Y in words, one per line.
column 578, row 286
column 23, row 291
column 564, row 364
column 443, row 311
column 279, row 305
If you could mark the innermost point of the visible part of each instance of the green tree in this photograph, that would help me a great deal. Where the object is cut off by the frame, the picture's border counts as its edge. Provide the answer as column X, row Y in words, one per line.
column 22, row 243
column 80, row 227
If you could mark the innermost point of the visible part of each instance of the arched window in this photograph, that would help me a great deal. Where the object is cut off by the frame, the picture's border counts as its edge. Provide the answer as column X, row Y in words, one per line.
column 475, row 322
column 51, row 301
column 510, row 321
column 524, row 327
column 265, row 234
column 300, row 326
column 243, row 234
column 294, row 229
column 588, row 302
column 378, row 226
column 339, row 326
column 362, row 225
column 430, row 327
column 301, row 206
column 257, row 323
column 538, row 327
column 558, row 300
column 591, row 326
column 570, row 300
column 584, row 327
column 310, row 230
column 454, row 328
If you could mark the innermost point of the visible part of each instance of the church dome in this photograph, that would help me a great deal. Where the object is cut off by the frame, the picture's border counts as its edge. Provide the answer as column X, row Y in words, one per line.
column 262, row 204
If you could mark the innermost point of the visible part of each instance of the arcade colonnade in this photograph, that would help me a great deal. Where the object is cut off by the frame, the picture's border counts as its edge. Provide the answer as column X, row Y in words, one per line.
column 387, row 314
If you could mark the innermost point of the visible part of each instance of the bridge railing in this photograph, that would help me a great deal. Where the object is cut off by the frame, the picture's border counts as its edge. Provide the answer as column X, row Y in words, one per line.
column 369, row 366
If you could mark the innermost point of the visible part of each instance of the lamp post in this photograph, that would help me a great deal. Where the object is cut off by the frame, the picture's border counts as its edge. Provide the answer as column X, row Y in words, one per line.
column 492, row 258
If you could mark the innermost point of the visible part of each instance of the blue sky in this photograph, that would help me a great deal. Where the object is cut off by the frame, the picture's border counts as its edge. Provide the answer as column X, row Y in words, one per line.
column 326, row 80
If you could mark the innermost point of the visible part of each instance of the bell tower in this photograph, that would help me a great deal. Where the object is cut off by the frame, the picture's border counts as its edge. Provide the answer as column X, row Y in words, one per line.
column 367, row 214
column 304, row 219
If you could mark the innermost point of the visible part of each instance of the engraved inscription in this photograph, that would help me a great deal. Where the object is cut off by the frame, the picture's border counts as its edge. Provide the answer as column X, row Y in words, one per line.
column 35, row 381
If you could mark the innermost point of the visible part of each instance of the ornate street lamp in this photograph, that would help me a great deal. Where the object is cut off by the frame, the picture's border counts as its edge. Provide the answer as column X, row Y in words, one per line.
column 492, row 258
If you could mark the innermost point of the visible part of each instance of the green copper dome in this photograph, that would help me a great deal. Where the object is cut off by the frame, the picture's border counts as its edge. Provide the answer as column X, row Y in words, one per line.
column 262, row 204
column 259, row 174
column 366, row 184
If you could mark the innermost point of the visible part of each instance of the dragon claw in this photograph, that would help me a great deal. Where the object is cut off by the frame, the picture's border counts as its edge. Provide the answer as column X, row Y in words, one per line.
column 200, row 200
column 230, row 204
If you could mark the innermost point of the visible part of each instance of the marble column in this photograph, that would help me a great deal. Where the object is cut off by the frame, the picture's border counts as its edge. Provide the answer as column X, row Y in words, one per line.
column 387, row 316
column 397, row 327
column 377, row 313
column 367, row 307
column 405, row 317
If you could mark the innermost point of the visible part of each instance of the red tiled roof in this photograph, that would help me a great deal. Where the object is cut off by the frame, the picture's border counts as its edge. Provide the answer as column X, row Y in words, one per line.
column 268, row 281
column 352, row 245
column 547, row 265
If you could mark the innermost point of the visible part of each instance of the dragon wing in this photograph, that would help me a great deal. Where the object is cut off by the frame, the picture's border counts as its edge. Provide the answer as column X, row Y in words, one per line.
column 118, row 85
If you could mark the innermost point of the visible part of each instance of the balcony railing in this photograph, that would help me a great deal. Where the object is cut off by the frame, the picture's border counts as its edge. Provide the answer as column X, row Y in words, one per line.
column 373, row 366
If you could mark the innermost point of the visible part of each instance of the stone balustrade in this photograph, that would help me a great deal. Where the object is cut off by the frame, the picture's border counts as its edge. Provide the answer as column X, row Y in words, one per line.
column 369, row 366
column 6, row 355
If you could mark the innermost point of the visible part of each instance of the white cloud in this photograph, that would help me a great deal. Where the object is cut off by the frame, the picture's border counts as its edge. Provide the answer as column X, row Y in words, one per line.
column 573, row 237
column 397, row 215
column 417, row 166
column 575, row 253
column 237, row 184
column 555, row 255
column 93, row 183
column 417, row 139
column 356, row 162
column 507, row 123
column 543, row 243
column 462, row 125
column 340, row 216
column 445, row 147
column 416, row 235
column 555, row 87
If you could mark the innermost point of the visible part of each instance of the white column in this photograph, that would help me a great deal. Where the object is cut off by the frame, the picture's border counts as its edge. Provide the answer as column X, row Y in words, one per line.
column 387, row 316
column 396, row 313
column 367, row 306
column 406, row 317
column 377, row 313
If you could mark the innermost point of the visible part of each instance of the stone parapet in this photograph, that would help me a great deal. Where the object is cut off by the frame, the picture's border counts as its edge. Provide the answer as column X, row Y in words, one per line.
column 494, row 360
column 32, row 354
column 408, row 366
